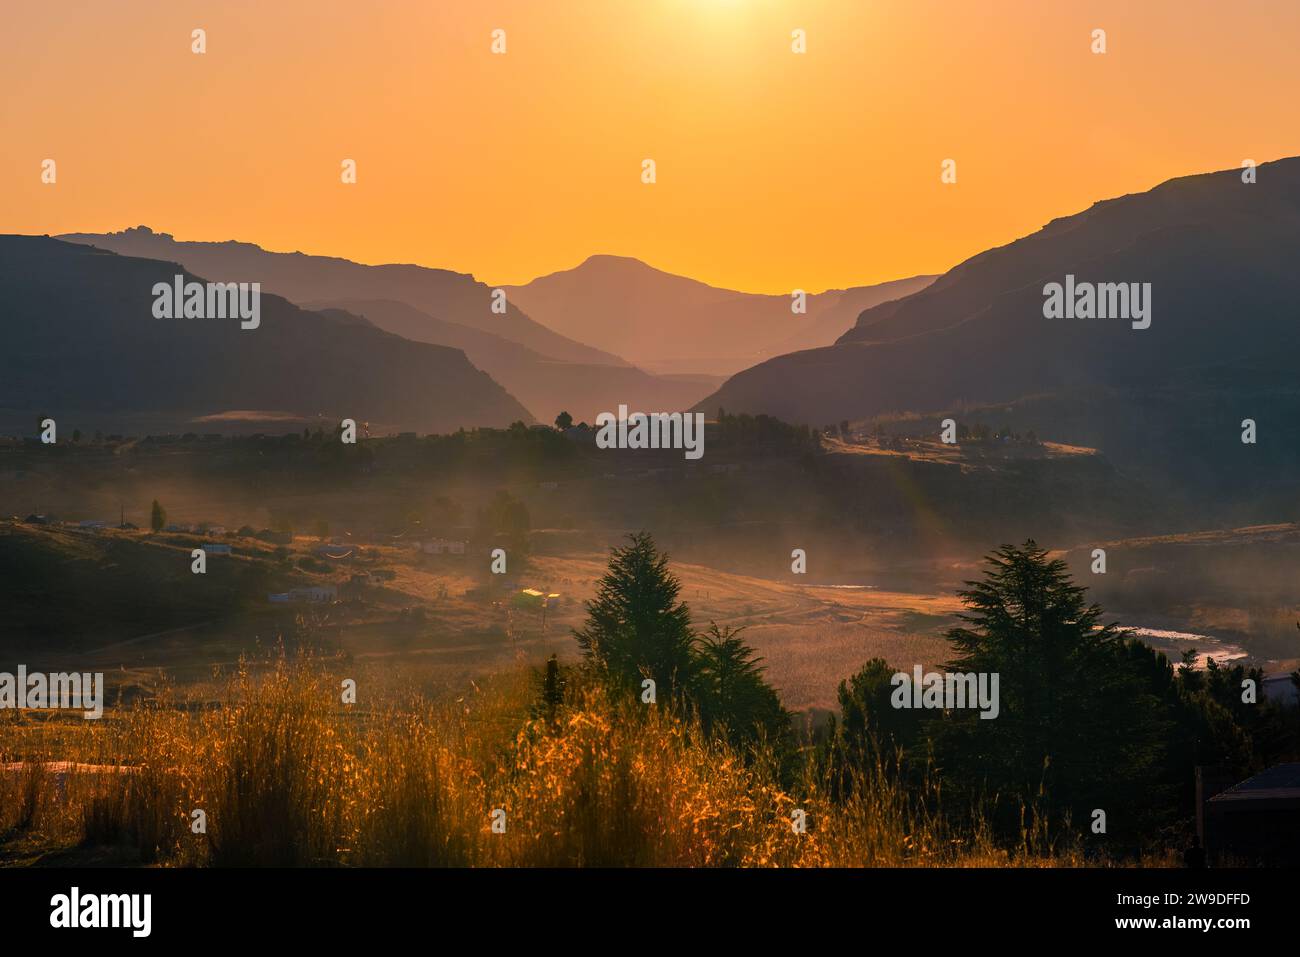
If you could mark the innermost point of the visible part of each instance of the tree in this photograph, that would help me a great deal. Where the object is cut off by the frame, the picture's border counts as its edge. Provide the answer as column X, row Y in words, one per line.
column 636, row 628
column 1078, row 728
column 870, row 728
column 505, row 515
column 157, row 517
column 730, row 689
column 564, row 421
column 552, row 689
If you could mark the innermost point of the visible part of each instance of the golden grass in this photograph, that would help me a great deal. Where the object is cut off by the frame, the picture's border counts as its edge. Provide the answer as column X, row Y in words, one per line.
column 289, row 776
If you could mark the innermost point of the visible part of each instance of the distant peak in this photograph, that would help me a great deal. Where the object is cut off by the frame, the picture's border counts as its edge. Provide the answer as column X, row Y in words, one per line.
column 609, row 259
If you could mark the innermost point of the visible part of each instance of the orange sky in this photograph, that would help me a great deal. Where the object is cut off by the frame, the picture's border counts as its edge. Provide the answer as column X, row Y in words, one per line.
column 775, row 171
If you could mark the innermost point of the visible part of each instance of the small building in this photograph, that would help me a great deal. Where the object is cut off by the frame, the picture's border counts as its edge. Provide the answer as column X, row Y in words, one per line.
column 532, row 598
column 1282, row 690
column 1255, row 822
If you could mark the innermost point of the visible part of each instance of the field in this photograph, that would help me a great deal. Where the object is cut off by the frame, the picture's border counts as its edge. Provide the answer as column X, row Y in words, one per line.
column 282, row 774
column 811, row 637
column 223, row 700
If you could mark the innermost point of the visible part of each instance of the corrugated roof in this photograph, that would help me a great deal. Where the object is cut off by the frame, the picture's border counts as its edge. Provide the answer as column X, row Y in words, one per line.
column 1279, row 781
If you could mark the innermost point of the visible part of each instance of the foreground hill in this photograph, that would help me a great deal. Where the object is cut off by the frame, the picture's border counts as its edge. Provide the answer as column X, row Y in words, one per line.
column 81, row 341
column 669, row 323
column 70, row 590
column 1219, row 255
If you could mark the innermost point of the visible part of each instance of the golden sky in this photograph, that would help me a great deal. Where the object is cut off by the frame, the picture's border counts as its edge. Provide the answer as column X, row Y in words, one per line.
column 775, row 170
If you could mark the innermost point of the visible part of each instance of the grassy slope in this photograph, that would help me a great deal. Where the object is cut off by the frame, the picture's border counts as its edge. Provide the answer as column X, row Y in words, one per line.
column 289, row 776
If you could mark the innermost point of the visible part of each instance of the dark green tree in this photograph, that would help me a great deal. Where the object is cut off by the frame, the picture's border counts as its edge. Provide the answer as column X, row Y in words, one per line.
column 870, row 729
column 563, row 421
column 552, row 689
column 157, row 517
column 1078, row 727
column 636, row 628
column 730, row 690
column 505, row 515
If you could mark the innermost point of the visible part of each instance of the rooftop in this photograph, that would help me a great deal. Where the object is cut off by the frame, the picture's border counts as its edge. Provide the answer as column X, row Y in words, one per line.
column 1282, row 781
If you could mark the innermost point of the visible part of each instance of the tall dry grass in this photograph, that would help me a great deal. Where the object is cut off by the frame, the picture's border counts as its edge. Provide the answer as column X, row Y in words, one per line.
column 287, row 775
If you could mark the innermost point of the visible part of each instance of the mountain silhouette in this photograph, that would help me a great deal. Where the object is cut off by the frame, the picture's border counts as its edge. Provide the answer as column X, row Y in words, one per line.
column 545, row 386
column 452, row 296
column 668, row 323
column 1218, row 253
column 81, row 337
column 547, row 372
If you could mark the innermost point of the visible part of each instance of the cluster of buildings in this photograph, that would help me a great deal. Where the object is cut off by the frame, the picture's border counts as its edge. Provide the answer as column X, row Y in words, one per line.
column 199, row 529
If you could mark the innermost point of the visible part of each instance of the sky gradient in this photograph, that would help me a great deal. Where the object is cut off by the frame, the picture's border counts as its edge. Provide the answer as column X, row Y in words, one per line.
column 775, row 170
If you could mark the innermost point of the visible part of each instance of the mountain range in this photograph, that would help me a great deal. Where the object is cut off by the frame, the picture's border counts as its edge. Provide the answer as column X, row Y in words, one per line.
column 546, row 364
column 1213, row 252
column 1217, row 253
column 83, row 345
column 671, row 323
column 452, row 296
column 545, row 385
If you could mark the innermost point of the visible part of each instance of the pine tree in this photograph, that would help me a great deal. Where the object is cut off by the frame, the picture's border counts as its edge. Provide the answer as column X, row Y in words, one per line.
column 1077, row 727
column 552, row 689
column 730, row 689
column 636, row 628
column 157, row 517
